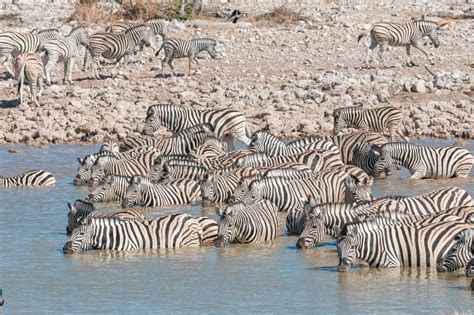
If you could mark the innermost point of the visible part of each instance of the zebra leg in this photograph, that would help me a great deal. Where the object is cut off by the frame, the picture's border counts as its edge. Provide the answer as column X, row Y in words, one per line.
column 423, row 51
column 418, row 173
column 95, row 65
column 371, row 48
column 163, row 62
column 400, row 133
column 381, row 49
column 170, row 63
column 190, row 61
column 49, row 68
column 409, row 62
column 33, row 91
column 40, row 85
column 5, row 64
column 70, row 68
column 66, row 67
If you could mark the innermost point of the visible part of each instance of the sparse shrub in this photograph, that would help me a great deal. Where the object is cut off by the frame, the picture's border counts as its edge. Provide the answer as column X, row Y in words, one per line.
column 280, row 16
column 87, row 11
column 140, row 11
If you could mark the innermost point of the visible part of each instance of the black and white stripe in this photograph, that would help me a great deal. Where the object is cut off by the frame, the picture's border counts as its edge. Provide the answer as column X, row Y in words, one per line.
column 114, row 188
column 397, row 34
column 224, row 122
column 65, row 50
column 248, row 223
column 376, row 119
column 30, row 178
column 176, row 230
column 179, row 48
column 143, row 192
column 424, row 162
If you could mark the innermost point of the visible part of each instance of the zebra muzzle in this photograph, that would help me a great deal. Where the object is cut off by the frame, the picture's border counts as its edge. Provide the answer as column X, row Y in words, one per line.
column 67, row 249
column 219, row 242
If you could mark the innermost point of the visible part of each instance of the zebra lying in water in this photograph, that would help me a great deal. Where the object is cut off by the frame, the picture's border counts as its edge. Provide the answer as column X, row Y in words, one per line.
column 30, row 178
column 424, row 162
column 398, row 246
column 176, row 230
column 82, row 209
column 248, row 223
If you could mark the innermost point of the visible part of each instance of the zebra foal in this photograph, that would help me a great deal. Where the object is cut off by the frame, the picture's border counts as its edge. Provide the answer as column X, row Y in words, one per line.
column 179, row 48
column 29, row 66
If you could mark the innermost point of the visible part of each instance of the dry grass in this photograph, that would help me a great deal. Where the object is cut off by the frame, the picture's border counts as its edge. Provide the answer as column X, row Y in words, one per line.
column 280, row 16
column 140, row 11
column 88, row 12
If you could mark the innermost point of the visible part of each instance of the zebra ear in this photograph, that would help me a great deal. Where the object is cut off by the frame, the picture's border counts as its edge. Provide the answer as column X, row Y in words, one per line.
column 157, row 161
column 70, row 206
column 350, row 182
column 376, row 149
column 369, row 181
column 464, row 236
column 337, row 231
column 136, row 180
column 79, row 160
column 220, row 211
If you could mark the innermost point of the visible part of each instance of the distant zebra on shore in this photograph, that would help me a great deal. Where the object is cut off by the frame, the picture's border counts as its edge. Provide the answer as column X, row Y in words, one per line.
column 30, row 178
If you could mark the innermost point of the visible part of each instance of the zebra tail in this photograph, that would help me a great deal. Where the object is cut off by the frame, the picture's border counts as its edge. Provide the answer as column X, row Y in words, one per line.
column 158, row 52
column 361, row 36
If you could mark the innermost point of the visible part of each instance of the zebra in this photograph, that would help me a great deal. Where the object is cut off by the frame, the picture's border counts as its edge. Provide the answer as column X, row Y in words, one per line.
column 265, row 142
column 113, row 189
column 141, row 191
column 29, row 66
column 399, row 246
column 219, row 188
column 180, row 48
column 407, row 34
column 434, row 201
column 15, row 43
column 117, row 46
column 171, row 231
column 65, row 49
column 424, row 162
column 376, row 119
column 30, row 178
column 176, row 118
column 138, row 165
column 316, row 219
column 81, row 209
column 247, row 223
column 112, row 147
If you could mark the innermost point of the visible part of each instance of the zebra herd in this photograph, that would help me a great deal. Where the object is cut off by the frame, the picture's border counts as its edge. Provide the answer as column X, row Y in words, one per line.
column 36, row 54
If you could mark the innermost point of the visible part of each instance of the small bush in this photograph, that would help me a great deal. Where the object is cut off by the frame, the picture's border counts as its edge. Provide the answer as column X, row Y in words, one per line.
column 140, row 11
column 280, row 16
column 86, row 11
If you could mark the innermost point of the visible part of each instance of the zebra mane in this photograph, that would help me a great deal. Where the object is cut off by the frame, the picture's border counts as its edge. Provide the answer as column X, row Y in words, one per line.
column 81, row 26
column 395, row 145
column 136, row 27
column 347, row 109
column 370, row 224
column 49, row 30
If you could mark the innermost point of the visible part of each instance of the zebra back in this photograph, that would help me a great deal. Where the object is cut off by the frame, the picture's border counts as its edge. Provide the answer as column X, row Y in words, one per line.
column 29, row 178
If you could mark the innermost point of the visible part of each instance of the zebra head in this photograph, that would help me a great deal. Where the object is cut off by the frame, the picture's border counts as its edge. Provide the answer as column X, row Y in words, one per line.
column 384, row 161
column 313, row 229
column 211, row 47
column 208, row 187
column 110, row 146
column 152, row 121
column 80, row 238
column 346, row 250
column 240, row 191
column 358, row 191
column 264, row 142
column 253, row 195
column 430, row 29
column 80, row 209
column 104, row 192
column 134, row 191
column 97, row 172
column 225, row 227
column 84, row 170
column 81, row 34
column 459, row 254
column 338, row 122
column 147, row 37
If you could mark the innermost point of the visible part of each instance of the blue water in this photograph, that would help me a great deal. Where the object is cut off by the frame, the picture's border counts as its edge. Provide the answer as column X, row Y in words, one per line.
column 36, row 277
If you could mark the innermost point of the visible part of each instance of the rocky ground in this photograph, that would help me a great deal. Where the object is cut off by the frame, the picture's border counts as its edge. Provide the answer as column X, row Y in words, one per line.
column 289, row 78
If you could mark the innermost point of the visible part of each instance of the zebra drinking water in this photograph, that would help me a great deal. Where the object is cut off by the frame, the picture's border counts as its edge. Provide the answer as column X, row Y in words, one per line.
column 114, row 188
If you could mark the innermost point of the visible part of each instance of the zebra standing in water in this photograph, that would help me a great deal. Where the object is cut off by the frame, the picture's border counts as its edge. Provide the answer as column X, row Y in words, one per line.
column 176, row 230
column 29, row 66
column 14, row 43
column 424, row 162
column 407, row 34
column 117, row 46
column 224, row 122
column 82, row 209
column 398, row 246
column 113, row 189
column 377, row 119
column 248, row 223
column 180, row 48
column 65, row 49
column 30, row 178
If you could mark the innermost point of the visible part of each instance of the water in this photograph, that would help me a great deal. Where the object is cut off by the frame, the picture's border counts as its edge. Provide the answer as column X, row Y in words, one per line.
column 36, row 277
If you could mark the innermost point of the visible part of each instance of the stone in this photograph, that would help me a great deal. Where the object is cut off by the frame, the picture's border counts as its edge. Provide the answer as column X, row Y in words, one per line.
column 419, row 87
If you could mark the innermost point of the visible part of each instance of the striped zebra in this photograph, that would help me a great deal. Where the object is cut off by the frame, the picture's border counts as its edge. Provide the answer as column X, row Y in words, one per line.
column 224, row 122
column 117, row 46
column 434, row 201
column 424, row 162
column 65, row 50
column 317, row 219
column 219, row 188
column 317, row 160
column 141, row 191
column 179, row 48
column 112, row 147
column 105, row 165
column 29, row 66
column 376, row 119
column 82, row 209
column 28, row 179
column 247, row 223
column 114, row 188
column 407, row 34
column 399, row 246
column 15, row 43
column 265, row 142
column 176, row 230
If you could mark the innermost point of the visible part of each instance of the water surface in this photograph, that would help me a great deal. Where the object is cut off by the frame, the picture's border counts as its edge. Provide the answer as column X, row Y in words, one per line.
column 36, row 277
